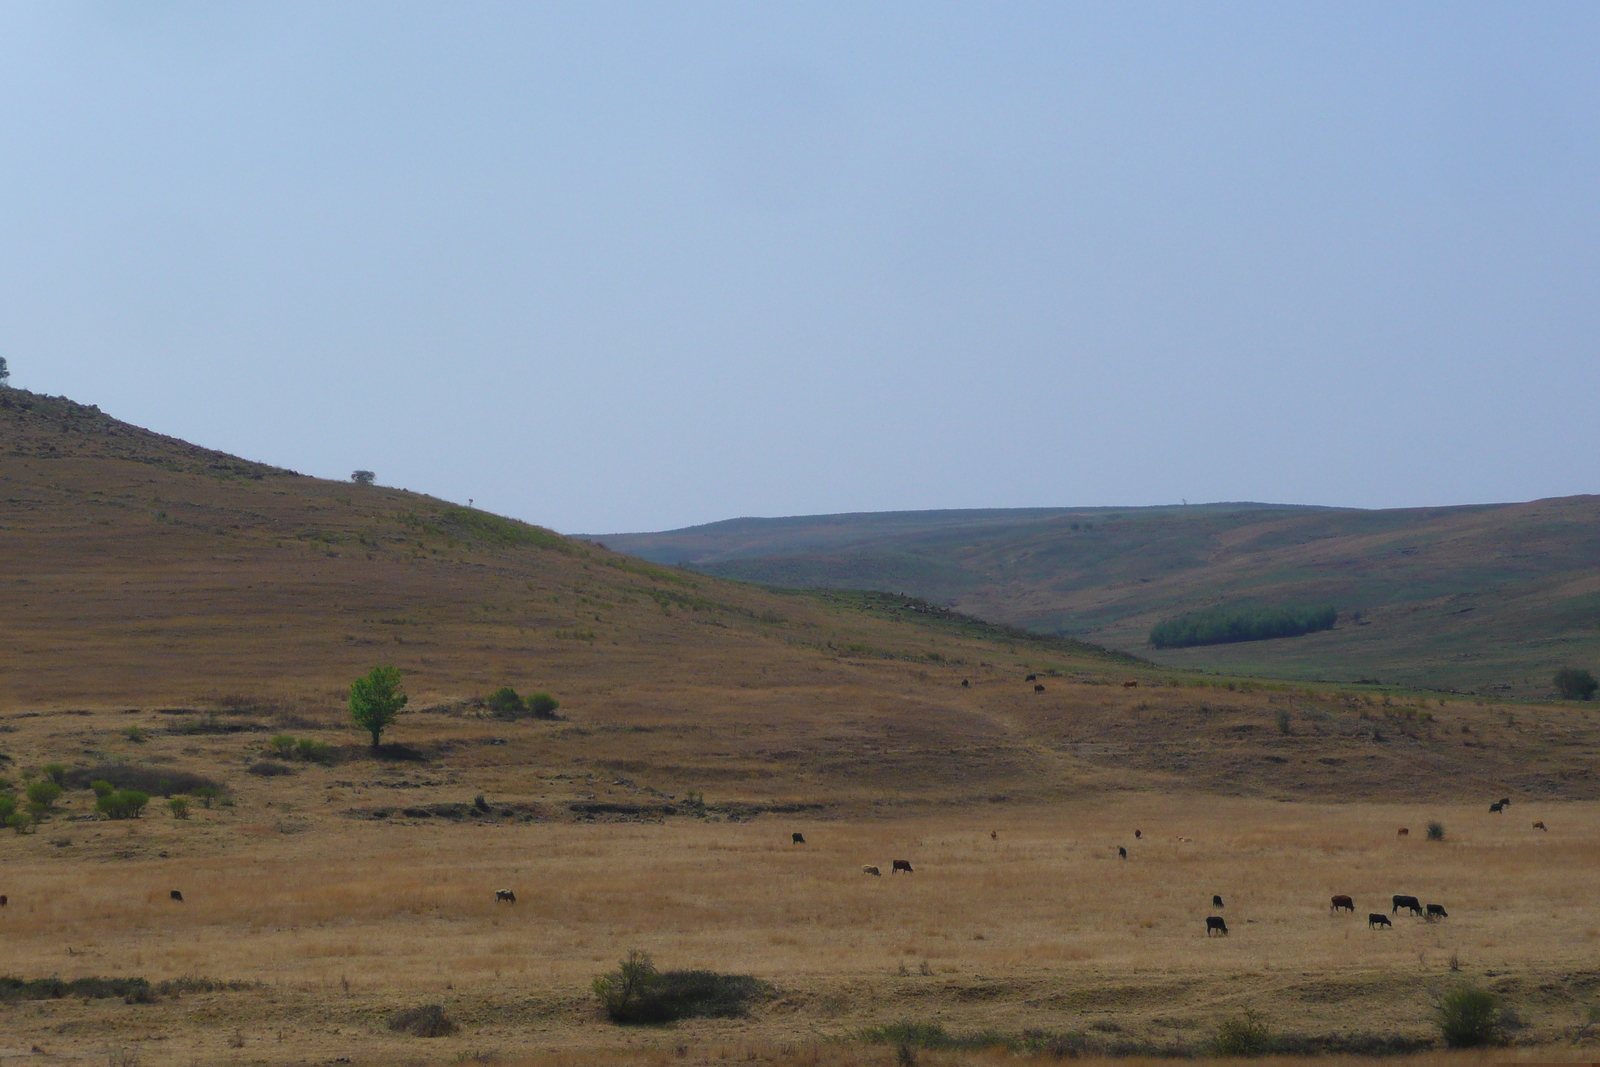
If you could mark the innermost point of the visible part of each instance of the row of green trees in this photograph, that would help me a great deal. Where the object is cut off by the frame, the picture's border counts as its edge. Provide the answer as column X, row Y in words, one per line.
column 376, row 700
column 1218, row 626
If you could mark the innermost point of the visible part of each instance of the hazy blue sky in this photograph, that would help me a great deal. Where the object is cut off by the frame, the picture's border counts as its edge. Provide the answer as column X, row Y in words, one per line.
column 626, row 267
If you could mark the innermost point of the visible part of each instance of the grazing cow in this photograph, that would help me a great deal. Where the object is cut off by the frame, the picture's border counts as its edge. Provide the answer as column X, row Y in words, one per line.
column 1537, row 826
column 506, row 895
column 1122, row 853
column 1402, row 832
column 964, row 683
column 1031, row 678
column 867, row 868
column 1341, row 901
column 3, row 900
column 1496, row 808
column 1377, row 919
column 1138, row 834
column 1216, row 901
column 1215, row 923
column 1436, row 911
column 900, row 865
column 798, row 839
column 1038, row 689
column 1133, row 683
column 994, row 835
column 177, row 896
column 1505, row 802
column 1402, row 901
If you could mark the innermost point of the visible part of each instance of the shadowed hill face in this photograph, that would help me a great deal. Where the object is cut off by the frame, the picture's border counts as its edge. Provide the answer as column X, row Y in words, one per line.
column 1486, row 598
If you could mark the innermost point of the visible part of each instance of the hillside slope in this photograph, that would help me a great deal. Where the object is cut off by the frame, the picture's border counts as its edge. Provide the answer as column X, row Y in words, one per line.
column 1487, row 598
column 144, row 578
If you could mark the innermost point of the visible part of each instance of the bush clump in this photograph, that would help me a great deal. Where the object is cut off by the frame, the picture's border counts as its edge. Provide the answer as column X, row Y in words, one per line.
column 132, row 990
column 429, row 1020
column 309, row 749
column 1243, row 1035
column 268, row 769
column 505, row 703
column 1435, row 830
column 1574, row 684
column 1469, row 1017
column 122, row 804
column 638, row 993
column 1220, row 626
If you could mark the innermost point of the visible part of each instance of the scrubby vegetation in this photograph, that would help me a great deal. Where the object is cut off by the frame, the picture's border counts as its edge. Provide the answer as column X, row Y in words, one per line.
column 1469, row 1017
column 1574, row 684
column 309, row 749
column 156, row 781
column 638, row 993
column 429, row 1020
column 505, row 703
column 132, row 990
column 1220, row 626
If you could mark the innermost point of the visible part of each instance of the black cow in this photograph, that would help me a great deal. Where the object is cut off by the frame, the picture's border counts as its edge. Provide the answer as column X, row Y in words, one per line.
column 1031, row 678
column 900, row 865
column 1138, row 833
column 1401, row 901
column 1215, row 923
column 1505, row 802
column 506, row 895
column 1342, row 902
column 1216, row 901
column 1038, row 689
column 1122, row 853
column 1497, row 807
column 1436, row 911
column 798, row 839
column 3, row 900
column 1377, row 919
column 177, row 896
column 964, row 683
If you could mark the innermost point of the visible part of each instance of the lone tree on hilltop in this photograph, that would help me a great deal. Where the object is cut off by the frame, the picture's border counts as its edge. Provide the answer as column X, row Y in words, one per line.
column 376, row 699
column 5, row 372
column 362, row 477
column 1574, row 684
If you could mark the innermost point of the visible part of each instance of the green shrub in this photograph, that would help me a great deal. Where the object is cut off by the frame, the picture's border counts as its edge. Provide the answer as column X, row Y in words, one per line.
column 19, row 821
column 1574, row 684
column 1469, row 1017
column 1435, row 830
column 8, row 806
column 55, row 772
column 102, row 788
column 637, row 993
column 164, row 781
column 268, row 769
column 543, row 705
column 42, row 796
column 426, row 1021
column 504, row 703
column 136, row 735
column 131, row 990
column 206, row 794
column 281, row 745
column 180, row 807
column 123, row 804
column 1243, row 1035
column 1220, row 626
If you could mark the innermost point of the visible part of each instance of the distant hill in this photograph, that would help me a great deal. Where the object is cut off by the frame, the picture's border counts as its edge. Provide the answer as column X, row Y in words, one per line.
column 1487, row 598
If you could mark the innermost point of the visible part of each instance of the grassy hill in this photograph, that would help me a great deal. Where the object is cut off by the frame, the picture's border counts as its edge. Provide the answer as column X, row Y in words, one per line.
column 167, row 611
column 1483, row 599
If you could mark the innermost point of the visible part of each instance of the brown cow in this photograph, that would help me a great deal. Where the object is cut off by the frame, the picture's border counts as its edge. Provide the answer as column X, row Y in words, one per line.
column 1341, row 901
column 1133, row 683
column 1138, row 833
column 867, row 868
column 994, row 835
column 1402, row 832
column 1537, row 826
column 3, row 900
column 900, row 865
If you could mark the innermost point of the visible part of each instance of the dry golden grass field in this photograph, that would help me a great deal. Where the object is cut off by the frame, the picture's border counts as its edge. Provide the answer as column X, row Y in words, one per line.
column 166, row 611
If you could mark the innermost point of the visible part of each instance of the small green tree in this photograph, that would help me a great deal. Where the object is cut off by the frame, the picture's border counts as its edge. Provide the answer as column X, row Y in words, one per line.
column 56, row 772
column 362, row 477
column 42, row 797
column 124, row 804
column 180, row 807
column 543, row 705
column 1469, row 1017
column 207, row 793
column 282, row 745
column 5, row 373
column 19, row 821
column 8, row 806
column 1574, row 684
column 102, row 788
column 376, row 699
